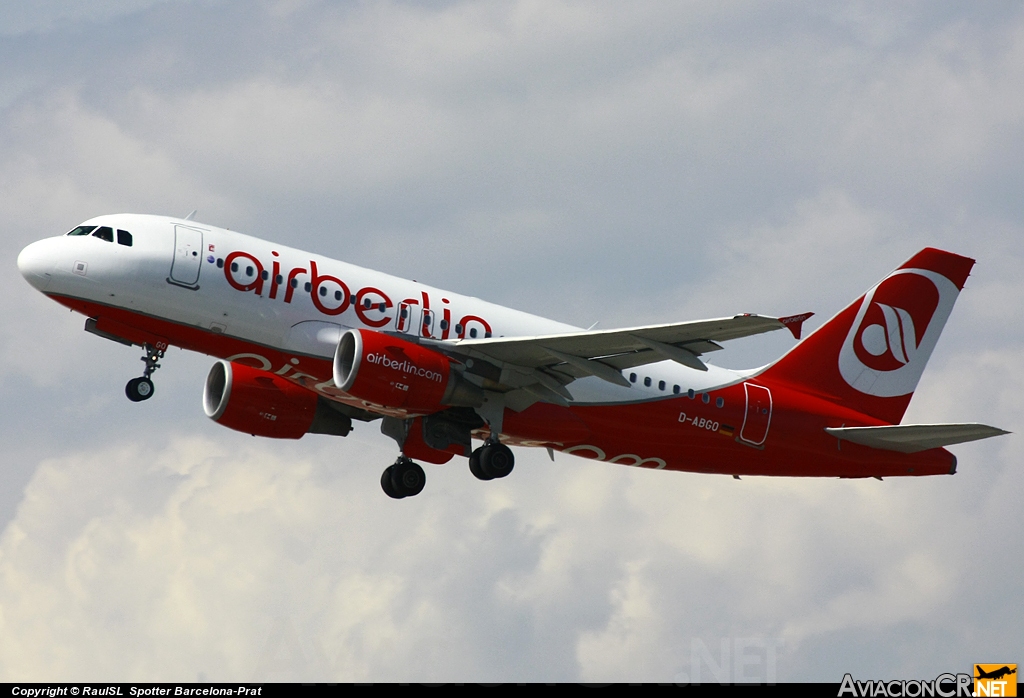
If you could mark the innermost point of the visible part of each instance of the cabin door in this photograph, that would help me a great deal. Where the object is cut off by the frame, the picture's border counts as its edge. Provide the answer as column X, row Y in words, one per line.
column 188, row 256
column 758, row 416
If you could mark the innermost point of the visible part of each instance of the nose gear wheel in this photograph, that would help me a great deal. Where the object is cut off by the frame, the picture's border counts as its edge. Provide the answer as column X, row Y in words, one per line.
column 139, row 389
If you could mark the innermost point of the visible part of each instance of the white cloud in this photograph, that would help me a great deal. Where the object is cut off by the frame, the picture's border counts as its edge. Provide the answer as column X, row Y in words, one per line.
column 246, row 560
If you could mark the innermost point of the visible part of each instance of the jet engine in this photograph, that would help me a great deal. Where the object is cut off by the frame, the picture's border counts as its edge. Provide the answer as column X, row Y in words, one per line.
column 257, row 402
column 395, row 373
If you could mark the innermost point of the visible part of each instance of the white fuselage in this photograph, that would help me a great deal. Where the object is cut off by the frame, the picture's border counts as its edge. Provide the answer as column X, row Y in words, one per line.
column 294, row 302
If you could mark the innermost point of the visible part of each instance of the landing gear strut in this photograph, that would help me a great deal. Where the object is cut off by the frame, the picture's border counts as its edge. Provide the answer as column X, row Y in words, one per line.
column 139, row 389
column 403, row 479
column 492, row 460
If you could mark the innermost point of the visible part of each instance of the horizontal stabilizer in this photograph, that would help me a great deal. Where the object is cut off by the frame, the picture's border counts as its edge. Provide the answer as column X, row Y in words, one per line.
column 911, row 438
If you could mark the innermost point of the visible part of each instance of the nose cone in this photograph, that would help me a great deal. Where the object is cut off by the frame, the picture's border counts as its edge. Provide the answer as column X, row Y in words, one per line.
column 36, row 263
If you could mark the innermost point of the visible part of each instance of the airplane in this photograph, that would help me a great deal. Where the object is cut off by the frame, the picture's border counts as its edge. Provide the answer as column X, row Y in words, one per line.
column 995, row 674
column 307, row 344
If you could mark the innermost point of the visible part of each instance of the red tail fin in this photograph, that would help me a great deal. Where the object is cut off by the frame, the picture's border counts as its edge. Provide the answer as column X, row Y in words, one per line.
column 871, row 355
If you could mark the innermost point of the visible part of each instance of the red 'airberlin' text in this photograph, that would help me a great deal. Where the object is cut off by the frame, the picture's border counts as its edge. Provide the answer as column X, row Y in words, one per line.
column 331, row 296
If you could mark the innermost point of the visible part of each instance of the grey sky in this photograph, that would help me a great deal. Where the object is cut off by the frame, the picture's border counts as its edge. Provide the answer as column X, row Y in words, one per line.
column 589, row 162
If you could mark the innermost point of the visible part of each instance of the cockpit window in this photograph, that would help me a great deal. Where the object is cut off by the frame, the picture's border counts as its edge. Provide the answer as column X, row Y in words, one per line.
column 104, row 233
column 124, row 238
column 83, row 230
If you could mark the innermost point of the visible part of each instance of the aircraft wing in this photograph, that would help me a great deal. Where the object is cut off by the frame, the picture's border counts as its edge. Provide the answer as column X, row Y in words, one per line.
column 604, row 353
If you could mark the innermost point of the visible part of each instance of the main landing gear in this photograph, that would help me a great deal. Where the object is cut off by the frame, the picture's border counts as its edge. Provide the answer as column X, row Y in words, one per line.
column 494, row 459
column 403, row 479
column 406, row 478
column 139, row 389
column 491, row 461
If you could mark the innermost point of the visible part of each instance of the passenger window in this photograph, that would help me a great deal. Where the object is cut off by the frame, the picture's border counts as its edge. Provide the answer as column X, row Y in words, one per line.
column 675, row 389
column 308, row 287
column 104, row 233
column 690, row 394
column 647, row 381
column 632, row 378
column 661, row 385
column 720, row 402
column 83, row 230
column 705, row 398
column 124, row 238
column 472, row 332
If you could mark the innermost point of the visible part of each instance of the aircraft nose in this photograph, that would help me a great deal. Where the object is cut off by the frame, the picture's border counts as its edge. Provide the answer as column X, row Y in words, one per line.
column 36, row 263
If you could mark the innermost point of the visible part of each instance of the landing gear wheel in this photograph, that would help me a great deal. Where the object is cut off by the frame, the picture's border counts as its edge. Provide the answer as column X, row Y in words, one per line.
column 474, row 466
column 386, row 484
column 496, row 460
column 407, row 478
column 491, row 461
column 139, row 389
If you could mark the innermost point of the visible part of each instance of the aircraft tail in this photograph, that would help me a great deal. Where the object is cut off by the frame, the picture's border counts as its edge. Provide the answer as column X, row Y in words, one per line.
column 872, row 354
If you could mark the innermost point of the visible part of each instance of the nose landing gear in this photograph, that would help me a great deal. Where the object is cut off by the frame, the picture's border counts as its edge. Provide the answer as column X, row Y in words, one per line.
column 139, row 389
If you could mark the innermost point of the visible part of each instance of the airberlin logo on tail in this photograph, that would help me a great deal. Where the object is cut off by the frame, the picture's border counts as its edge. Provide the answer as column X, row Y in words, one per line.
column 898, row 336
column 896, row 328
column 404, row 366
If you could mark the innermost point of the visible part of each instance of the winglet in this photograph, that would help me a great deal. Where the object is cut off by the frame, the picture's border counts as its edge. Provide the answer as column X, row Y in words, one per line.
column 794, row 322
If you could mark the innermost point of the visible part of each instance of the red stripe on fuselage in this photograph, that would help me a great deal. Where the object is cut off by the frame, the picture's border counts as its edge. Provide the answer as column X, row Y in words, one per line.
column 677, row 433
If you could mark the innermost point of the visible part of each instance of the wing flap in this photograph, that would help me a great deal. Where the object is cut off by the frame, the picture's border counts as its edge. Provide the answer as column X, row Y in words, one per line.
column 911, row 438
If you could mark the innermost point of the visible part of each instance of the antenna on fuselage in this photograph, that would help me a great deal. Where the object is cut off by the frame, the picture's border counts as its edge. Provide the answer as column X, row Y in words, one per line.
column 191, row 215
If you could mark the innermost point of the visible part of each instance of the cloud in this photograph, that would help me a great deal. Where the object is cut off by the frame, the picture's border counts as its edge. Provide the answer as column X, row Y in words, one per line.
column 239, row 559
column 19, row 18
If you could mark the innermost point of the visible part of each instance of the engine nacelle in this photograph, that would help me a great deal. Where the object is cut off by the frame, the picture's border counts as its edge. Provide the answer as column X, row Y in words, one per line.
column 257, row 402
column 392, row 372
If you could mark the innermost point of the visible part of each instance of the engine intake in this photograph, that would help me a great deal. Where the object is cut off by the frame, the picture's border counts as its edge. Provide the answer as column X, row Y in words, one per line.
column 257, row 402
column 392, row 372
